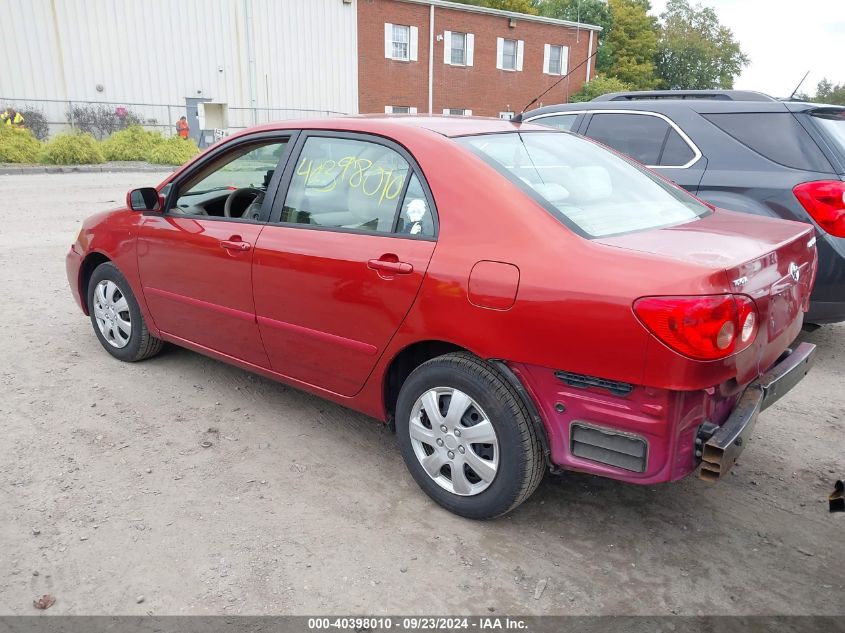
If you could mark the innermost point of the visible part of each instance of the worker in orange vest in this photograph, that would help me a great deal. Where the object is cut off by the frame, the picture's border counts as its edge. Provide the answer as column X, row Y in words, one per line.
column 182, row 127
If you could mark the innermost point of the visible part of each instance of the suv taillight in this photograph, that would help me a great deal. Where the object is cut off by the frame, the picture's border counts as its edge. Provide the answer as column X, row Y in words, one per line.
column 708, row 327
column 824, row 200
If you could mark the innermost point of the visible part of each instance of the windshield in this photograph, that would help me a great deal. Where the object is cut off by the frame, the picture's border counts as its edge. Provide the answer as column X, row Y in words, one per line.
column 591, row 189
column 832, row 122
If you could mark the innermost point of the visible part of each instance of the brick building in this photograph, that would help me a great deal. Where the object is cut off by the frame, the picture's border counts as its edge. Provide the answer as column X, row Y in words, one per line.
column 442, row 57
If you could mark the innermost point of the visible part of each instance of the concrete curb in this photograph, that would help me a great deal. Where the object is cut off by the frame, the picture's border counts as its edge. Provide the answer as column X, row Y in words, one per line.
column 14, row 170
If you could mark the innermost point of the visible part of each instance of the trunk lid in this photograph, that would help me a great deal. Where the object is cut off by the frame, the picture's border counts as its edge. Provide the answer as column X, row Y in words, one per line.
column 771, row 261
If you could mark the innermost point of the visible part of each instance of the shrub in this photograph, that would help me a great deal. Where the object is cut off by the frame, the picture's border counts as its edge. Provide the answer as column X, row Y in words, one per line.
column 101, row 121
column 599, row 86
column 73, row 148
column 18, row 145
column 35, row 121
column 133, row 143
column 174, row 151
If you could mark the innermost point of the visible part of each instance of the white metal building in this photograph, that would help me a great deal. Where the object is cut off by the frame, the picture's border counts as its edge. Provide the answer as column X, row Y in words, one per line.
column 151, row 55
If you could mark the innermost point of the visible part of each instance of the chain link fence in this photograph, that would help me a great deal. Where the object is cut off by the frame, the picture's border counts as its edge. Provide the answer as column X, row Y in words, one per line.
column 100, row 118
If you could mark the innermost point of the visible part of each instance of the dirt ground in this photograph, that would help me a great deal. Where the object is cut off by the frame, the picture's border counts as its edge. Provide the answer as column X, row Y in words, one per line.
column 109, row 502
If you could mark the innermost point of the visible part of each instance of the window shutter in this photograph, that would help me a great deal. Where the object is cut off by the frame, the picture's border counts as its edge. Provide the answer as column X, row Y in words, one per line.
column 500, row 45
column 467, row 112
column 413, row 45
column 546, row 53
column 564, row 60
column 520, row 50
column 388, row 40
column 447, row 47
column 413, row 110
column 470, row 43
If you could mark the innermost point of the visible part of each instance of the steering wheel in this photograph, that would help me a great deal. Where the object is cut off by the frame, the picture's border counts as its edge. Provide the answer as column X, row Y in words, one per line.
column 257, row 194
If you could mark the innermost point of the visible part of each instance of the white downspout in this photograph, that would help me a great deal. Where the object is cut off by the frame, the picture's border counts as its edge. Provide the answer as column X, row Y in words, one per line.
column 589, row 54
column 431, row 60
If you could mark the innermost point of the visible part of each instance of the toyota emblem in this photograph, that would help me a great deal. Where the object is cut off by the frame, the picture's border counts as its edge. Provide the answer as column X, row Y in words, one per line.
column 794, row 271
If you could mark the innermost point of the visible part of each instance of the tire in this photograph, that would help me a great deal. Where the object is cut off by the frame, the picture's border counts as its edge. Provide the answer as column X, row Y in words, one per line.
column 516, row 451
column 139, row 344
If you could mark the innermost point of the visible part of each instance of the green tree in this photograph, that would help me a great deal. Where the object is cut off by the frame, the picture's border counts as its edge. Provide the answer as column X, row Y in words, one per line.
column 601, row 85
column 519, row 6
column 828, row 92
column 633, row 43
column 695, row 50
column 587, row 12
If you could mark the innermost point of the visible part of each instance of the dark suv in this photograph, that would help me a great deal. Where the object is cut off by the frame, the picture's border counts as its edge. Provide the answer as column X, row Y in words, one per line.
column 737, row 150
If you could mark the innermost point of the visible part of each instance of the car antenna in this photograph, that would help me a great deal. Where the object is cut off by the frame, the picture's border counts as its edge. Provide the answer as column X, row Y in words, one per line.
column 518, row 117
column 798, row 86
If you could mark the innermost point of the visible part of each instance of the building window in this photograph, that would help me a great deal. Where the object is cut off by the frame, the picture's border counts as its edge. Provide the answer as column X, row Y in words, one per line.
column 458, row 48
column 400, row 42
column 401, row 39
column 457, row 112
column 556, row 59
column 507, row 116
column 509, row 54
column 400, row 110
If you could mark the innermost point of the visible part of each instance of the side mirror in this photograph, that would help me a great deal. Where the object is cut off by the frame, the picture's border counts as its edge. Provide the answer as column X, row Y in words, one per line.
column 145, row 199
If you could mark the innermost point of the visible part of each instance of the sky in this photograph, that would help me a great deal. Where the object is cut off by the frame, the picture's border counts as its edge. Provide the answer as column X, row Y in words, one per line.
column 784, row 39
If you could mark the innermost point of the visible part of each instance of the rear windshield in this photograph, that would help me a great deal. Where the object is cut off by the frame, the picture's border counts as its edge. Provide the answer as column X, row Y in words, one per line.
column 832, row 123
column 591, row 189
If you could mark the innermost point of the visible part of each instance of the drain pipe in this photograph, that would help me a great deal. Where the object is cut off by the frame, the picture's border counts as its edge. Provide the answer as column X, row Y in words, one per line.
column 431, row 59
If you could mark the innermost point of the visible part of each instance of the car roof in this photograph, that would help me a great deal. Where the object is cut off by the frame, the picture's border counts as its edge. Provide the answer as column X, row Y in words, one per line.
column 702, row 106
column 389, row 125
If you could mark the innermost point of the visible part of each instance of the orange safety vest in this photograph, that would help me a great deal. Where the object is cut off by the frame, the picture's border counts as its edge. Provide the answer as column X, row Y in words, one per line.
column 182, row 128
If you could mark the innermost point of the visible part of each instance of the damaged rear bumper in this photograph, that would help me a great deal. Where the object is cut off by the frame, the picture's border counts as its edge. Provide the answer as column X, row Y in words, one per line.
column 724, row 447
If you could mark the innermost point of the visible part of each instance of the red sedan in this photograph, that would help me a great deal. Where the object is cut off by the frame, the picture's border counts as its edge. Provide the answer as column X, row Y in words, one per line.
column 512, row 298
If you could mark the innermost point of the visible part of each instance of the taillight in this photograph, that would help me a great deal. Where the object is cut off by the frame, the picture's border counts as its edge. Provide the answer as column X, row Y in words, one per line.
column 824, row 200
column 708, row 327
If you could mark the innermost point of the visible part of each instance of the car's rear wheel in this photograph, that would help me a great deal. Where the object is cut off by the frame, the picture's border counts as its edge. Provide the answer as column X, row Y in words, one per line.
column 467, row 438
column 116, row 317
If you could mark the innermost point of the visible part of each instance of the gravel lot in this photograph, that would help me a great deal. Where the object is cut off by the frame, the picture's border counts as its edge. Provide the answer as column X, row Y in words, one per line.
column 108, row 501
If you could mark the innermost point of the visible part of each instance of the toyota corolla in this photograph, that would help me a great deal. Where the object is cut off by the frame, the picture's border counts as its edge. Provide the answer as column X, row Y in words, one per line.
column 514, row 300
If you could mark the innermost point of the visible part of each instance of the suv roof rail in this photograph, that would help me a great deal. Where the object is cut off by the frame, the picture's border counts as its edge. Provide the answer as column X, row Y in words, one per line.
column 718, row 95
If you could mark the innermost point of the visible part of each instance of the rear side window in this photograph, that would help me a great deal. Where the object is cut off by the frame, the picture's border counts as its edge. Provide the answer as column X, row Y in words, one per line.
column 559, row 121
column 831, row 121
column 346, row 184
column 644, row 137
column 774, row 135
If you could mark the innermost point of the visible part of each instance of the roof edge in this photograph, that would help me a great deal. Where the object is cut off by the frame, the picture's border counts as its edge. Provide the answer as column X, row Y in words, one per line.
column 470, row 8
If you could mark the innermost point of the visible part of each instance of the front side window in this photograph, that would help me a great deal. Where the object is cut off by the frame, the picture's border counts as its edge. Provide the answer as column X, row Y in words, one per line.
column 346, row 184
column 459, row 48
column 401, row 40
column 592, row 190
column 509, row 54
column 233, row 185
column 641, row 136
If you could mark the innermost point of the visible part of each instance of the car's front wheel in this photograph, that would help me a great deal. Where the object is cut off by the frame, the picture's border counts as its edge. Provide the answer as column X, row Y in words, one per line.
column 116, row 317
column 467, row 438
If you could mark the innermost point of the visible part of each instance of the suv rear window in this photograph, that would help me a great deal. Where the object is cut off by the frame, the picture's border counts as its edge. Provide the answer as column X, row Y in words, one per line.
column 777, row 136
column 831, row 121
column 592, row 190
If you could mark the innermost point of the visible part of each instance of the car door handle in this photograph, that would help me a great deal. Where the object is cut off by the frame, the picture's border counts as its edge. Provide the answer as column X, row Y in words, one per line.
column 388, row 265
column 235, row 245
